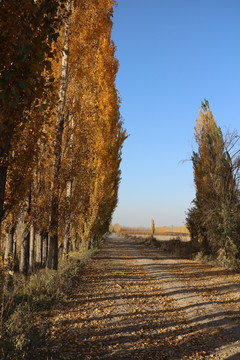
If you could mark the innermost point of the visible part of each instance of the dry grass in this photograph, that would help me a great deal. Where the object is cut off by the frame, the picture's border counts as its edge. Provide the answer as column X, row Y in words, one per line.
column 29, row 299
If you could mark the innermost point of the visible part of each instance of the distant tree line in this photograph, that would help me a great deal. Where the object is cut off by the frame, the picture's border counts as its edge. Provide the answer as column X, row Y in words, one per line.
column 150, row 230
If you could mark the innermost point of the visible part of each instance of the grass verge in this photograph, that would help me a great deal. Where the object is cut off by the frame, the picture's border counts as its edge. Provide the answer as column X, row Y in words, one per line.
column 30, row 299
column 190, row 250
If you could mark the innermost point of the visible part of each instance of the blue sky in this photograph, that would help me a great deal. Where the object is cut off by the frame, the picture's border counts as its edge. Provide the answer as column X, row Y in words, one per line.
column 172, row 54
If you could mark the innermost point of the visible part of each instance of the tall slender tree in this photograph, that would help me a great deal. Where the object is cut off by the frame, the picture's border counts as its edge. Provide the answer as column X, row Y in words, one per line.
column 214, row 219
column 24, row 66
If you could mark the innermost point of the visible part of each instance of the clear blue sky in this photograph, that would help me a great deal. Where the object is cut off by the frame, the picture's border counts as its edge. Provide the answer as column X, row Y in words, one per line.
column 172, row 54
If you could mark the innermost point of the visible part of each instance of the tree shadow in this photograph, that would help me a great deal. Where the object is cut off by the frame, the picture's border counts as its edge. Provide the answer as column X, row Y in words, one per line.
column 120, row 310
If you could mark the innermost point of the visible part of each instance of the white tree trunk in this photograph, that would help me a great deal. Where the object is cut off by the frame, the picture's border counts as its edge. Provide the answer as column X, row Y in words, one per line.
column 44, row 249
column 24, row 258
column 31, row 249
column 52, row 262
column 9, row 244
column 39, row 249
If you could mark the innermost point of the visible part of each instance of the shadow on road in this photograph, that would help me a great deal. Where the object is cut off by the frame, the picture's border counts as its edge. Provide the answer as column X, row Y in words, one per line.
column 125, row 307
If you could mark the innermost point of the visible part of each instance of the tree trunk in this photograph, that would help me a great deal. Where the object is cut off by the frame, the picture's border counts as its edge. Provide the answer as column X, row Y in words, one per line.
column 77, row 241
column 31, row 249
column 67, row 234
column 52, row 262
column 3, row 177
column 4, row 152
column 24, row 258
column 66, row 241
column 39, row 250
column 9, row 258
column 90, row 243
column 74, row 241
column 14, row 247
column 9, row 245
column 44, row 249
column 18, row 238
column 25, row 241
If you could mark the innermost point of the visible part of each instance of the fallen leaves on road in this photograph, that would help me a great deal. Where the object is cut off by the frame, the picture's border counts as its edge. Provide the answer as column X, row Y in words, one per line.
column 120, row 310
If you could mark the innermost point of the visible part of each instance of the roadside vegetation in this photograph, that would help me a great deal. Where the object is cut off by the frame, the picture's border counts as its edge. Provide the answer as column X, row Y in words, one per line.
column 25, row 306
column 214, row 218
column 61, row 137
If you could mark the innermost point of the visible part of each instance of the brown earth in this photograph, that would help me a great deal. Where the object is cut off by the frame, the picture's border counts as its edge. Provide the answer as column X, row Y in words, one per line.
column 133, row 302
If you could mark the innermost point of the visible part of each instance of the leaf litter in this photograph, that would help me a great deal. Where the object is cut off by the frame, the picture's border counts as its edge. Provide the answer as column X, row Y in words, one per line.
column 132, row 302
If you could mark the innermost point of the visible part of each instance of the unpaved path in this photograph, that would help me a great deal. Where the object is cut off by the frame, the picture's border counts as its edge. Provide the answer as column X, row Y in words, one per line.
column 132, row 302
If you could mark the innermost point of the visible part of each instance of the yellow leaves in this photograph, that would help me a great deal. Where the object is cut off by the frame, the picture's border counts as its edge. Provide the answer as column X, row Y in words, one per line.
column 93, row 133
column 95, row 109
column 204, row 179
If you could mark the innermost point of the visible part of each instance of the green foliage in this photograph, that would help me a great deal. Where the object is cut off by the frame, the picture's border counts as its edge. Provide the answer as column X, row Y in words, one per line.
column 214, row 219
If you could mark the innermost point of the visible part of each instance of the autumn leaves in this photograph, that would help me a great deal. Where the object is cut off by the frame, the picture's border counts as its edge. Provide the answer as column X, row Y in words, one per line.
column 214, row 220
column 61, row 132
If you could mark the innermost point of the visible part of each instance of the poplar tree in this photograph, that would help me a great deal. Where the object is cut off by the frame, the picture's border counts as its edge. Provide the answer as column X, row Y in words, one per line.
column 214, row 219
column 65, row 129
column 27, row 31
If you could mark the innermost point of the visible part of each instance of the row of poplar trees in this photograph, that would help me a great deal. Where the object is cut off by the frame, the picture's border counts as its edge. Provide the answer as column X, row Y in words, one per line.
column 61, row 132
column 214, row 218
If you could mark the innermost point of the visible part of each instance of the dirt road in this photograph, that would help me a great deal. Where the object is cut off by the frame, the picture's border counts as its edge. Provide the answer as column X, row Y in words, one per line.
column 132, row 302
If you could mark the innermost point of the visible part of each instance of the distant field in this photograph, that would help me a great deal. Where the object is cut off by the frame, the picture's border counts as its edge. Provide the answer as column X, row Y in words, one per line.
column 161, row 237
